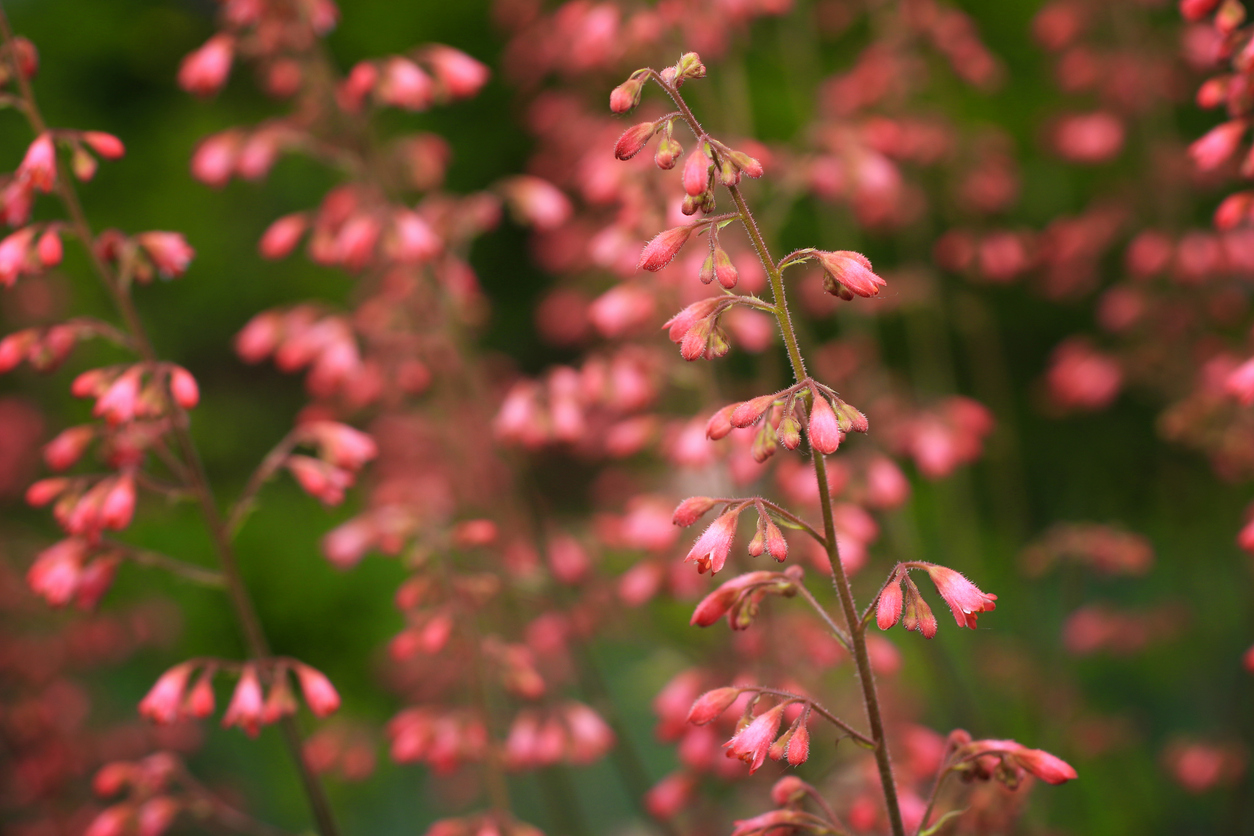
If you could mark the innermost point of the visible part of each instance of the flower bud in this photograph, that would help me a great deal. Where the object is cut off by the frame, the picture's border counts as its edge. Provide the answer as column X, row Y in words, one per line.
column 634, row 139
column 626, row 95
column 692, row 509
column 161, row 704
column 711, row 705
column 696, row 175
column 183, row 387
column 747, row 413
column 850, row 419
column 106, row 145
column 776, row 545
column 49, row 248
column 764, row 444
column 707, row 270
column 724, row 269
column 68, row 446
column 1216, row 146
column 662, row 249
column 825, row 433
column 668, row 150
column 799, row 745
column 204, row 71
column 282, row 236
column 746, row 164
column 320, row 694
column 690, row 66
column 246, row 704
column 789, row 432
column 888, row 608
column 851, row 271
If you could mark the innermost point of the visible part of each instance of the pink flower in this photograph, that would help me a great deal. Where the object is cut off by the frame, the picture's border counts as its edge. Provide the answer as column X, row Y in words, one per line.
column 711, row 549
column 752, row 743
column 282, row 236
column 340, row 444
column 1217, row 145
column 747, row 413
column 405, row 85
column 413, row 240
column 1240, row 383
column 39, row 167
column 1047, row 767
column 715, row 605
column 200, row 700
column 692, row 509
column 57, row 571
column 888, row 609
column 626, row 95
column 851, row 271
column 106, row 145
column 825, row 432
column 711, row 705
column 279, row 702
column 696, row 174
column 183, row 387
column 49, row 248
column 460, row 74
column 663, row 248
column 156, row 815
column 634, row 139
column 15, row 255
column 246, row 703
column 590, row 736
column 169, row 251
column 162, row 703
column 681, row 323
column 799, row 746
column 68, row 446
column 213, row 161
column 670, row 795
column 963, row 597
column 321, row 480
column 119, row 400
column 204, row 71
column 113, row 821
column 320, row 694
column 118, row 506
column 536, row 201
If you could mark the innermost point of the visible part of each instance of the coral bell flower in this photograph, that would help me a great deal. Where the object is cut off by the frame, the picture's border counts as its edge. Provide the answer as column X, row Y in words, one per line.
column 320, row 694
column 169, row 251
column 1047, row 767
column 57, row 572
column 715, row 605
column 460, row 74
column 634, row 139
column 888, row 609
column 1217, row 145
column 962, row 596
column 663, row 248
column 711, row 705
column 825, row 432
column 204, row 71
column 696, row 175
column 681, row 323
column 711, row 549
column 752, row 743
column 162, row 704
column 626, row 95
column 39, row 166
column 246, row 703
column 106, row 145
column 852, row 271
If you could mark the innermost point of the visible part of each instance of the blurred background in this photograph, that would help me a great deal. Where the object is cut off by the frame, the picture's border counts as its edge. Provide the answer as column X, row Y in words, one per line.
column 1122, row 708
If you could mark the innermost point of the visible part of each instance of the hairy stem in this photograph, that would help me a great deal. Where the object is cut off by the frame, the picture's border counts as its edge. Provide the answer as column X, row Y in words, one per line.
column 866, row 677
column 245, row 611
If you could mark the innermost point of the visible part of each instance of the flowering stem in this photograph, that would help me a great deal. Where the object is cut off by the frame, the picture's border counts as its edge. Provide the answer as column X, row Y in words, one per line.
column 841, row 581
column 818, row 709
column 931, row 801
column 198, row 483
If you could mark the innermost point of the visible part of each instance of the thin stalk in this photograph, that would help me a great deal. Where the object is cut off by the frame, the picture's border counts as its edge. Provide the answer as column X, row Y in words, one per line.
column 817, row 709
column 857, row 632
column 245, row 611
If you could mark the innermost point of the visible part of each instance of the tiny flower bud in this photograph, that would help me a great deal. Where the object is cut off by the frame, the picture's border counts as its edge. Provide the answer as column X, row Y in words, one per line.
column 626, row 95
column 724, row 269
column 692, row 509
column 183, row 387
column 696, row 172
column 720, row 425
column 320, row 694
column 824, row 430
column 634, row 139
column 851, row 271
column 282, row 236
column 747, row 413
column 711, row 705
column 690, row 66
column 68, row 446
column 161, row 704
column 663, row 248
column 204, row 71
column 200, row 699
column 799, row 746
column 49, row 248
column 668, row 151
column 707, row 270
column 106, row 145
column 1216, row 146
column 789, row 432
column 39, row 166
column 888, row 609
column 776, row 545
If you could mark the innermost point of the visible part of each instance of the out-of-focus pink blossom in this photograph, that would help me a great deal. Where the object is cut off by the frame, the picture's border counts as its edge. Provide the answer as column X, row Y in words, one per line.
column 204, row 71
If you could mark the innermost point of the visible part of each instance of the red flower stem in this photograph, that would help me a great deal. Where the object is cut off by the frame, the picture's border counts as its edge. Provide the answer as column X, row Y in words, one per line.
column 245, row 610
column 837, row 630
column 866, row 677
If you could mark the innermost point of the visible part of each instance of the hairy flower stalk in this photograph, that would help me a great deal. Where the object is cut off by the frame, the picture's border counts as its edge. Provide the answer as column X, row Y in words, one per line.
column 856, row 628
column 192, row 467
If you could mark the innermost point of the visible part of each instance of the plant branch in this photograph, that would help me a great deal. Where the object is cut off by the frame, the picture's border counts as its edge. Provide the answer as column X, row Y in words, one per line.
column 862, row 660
column 818, row 709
